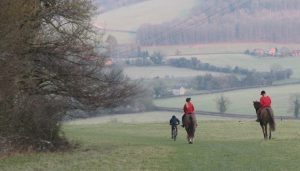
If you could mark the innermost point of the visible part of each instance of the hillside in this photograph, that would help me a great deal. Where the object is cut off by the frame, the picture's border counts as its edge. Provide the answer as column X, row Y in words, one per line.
column 219, row 145
column 228, row 21
column 133, row 16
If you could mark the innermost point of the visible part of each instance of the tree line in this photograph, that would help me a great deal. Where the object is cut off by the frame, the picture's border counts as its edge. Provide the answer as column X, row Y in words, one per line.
column 269, row 20
column 196, row 64
column 249, row 78
column 236, row 77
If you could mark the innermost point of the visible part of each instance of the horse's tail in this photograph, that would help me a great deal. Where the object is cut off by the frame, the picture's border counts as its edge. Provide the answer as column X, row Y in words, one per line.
column 191, row 127
column 272, row 122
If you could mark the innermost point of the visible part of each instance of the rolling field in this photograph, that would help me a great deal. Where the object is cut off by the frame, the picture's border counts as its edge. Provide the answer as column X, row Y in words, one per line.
column 219, row 145
column 241, row 100
column 240, row 60
column 205, row 54
column 256, row 63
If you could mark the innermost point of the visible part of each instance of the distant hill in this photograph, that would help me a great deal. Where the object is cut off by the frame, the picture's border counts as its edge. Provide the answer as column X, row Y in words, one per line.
column 131, row 17
column 229, row 21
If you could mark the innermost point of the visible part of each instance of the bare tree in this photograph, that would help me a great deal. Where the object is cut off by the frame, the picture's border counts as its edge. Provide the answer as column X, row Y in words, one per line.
column 222, row 103
column 295, row 104
column 48, row 66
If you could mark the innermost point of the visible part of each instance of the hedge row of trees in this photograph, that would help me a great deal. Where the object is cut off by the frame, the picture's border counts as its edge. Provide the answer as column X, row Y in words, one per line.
column 227, row 21
column 145, row 59
column 210, row 82
column 194, row 63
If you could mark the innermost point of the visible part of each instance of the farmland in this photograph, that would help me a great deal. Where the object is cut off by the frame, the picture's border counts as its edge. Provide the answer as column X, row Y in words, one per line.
column 219, row 145
column 221, row 55
column 240, row 100
column 248, row 62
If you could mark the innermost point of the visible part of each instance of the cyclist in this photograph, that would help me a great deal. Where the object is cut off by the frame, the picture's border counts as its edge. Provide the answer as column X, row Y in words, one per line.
column 174, row 121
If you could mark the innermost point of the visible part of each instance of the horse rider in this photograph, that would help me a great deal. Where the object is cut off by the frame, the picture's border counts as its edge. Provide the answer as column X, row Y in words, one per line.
column 265, row 101
column 189, row 109
column 174, row 121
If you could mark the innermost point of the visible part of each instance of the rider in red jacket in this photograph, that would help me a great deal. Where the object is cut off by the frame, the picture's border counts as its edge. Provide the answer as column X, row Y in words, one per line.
column 189, row 109
column 265, row 101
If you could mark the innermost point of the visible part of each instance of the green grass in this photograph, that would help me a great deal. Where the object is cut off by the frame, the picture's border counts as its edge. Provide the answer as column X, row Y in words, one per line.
column 219, row 145
column 241, row 100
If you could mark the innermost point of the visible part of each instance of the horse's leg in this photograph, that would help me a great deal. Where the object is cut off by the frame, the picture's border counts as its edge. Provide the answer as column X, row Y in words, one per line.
column 270, row 134
column 266, row 131
column 190, row 137
column 187, row 136
column 263, row 130
column 191, row 140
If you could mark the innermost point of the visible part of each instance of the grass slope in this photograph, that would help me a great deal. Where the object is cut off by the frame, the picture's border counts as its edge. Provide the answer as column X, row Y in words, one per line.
column 219, row 145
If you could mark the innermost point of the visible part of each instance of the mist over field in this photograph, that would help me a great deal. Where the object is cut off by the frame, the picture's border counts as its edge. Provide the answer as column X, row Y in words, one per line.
column 205, row 46
column 92, row 84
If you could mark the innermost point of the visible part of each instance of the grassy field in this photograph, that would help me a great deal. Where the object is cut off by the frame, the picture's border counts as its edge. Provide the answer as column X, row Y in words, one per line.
column 251, row 63
column 139, row 118
column 148, row 12
column 219, row 145
column 240, row 60
column 256, row 63
column 241, row 100
column 164, row 72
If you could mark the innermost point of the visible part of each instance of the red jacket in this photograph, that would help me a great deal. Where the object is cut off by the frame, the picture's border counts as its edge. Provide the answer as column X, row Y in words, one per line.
column 265, row 101
column 188, row 108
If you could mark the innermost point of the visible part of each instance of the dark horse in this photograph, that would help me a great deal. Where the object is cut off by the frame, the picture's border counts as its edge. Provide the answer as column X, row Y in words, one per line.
column 190, row 127
column 266, row 117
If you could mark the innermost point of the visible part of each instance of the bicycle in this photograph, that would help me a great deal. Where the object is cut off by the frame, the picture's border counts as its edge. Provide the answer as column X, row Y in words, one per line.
column 174, row 132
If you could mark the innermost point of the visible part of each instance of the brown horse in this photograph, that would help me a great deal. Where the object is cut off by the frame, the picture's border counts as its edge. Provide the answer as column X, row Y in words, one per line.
column 190, row 127
column 266, row 117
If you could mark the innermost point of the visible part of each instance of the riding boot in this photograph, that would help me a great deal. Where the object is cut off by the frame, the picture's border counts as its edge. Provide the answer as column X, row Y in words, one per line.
column 182, row 120
column 258, row 115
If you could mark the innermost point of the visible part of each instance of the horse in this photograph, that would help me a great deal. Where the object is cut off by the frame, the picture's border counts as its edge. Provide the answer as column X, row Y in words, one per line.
column 190, row 127
column 265, row 118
